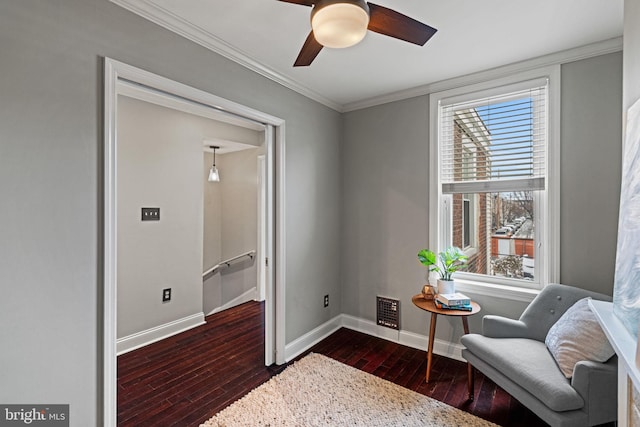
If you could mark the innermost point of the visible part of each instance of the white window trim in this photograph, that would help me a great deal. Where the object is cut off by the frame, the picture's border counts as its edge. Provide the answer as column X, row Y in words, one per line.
column 464, row 226
column 474, row 221
column 551, row 211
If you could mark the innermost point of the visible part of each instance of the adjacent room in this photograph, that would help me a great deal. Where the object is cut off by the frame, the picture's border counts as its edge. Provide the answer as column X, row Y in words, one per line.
column 200, row 247
column 305, row 212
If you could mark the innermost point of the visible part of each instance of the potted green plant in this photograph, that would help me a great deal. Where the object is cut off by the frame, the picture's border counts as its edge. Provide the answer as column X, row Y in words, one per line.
column 445, row 264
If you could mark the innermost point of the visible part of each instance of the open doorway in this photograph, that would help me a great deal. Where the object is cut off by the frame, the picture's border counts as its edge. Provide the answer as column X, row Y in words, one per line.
column 121, row 77
column 232, row 214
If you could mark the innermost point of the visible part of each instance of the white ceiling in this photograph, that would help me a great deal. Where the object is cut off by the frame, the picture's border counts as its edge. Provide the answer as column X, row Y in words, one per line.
column 226, row 146
column 473, row 35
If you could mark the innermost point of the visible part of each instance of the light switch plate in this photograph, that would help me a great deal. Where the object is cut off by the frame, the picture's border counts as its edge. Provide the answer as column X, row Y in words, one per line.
column 151, row 214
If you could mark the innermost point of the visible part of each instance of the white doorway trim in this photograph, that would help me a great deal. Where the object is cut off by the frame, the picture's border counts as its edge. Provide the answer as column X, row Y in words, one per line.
column 117, row 74
column 262, row 228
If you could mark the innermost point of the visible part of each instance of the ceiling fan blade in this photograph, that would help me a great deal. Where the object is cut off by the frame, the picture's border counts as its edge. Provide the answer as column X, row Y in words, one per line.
column 309, row 51
column 302, row 2
column 394, row 24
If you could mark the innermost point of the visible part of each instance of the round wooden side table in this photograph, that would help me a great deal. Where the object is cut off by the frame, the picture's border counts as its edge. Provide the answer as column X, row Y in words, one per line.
column 429, row 305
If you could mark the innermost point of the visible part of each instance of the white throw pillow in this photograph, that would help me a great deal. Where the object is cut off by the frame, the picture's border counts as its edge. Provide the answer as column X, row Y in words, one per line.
column 577, row 336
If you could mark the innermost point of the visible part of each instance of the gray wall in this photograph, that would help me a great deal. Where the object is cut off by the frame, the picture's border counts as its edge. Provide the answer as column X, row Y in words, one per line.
column 385, row 196
column 313, row 223
column 385, row 207
column 231, row 217
column 239, row 220
column 51, row 146
column 212, row 242
column 157, row 151
column 591, row 150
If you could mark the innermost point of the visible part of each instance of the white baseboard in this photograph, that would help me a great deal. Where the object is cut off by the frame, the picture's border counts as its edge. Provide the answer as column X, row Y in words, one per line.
column 370, row 328
column 250, row 295
column 410, row 339
column 308, row 340
column 143, row 338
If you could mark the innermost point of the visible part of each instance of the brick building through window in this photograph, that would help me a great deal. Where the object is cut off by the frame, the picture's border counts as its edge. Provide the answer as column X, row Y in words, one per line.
column 470, row 226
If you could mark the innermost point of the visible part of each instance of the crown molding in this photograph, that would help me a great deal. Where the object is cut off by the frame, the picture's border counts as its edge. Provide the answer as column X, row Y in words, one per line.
column 152, row 12
column 557, row 58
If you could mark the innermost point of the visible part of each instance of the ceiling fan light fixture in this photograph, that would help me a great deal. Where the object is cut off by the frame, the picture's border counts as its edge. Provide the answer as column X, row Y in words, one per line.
column 339, row 24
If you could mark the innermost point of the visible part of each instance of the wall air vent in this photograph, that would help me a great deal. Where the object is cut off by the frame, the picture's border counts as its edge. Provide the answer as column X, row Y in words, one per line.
column 388, row 312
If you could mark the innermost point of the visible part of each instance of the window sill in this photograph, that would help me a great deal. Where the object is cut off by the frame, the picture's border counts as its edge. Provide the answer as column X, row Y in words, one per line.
column 511, row 293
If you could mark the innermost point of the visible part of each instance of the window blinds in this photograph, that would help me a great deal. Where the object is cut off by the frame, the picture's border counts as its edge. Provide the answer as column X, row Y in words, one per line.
column 494, row 144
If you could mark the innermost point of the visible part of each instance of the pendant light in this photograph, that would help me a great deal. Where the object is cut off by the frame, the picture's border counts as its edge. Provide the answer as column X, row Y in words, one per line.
column 214, row 175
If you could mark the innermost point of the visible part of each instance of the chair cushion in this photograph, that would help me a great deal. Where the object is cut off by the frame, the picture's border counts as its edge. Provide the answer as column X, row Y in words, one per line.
column 577, row 336
column 529, row 364
column 550, row 304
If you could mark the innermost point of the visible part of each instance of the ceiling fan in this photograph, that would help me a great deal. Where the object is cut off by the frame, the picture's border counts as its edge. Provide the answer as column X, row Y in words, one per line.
column 344, row 23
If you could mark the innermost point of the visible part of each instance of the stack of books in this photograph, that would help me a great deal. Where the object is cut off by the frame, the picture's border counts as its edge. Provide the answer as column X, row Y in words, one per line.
column 455, row 301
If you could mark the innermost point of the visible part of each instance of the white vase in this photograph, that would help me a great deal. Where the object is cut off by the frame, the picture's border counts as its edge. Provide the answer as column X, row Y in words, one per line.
column 446, row 286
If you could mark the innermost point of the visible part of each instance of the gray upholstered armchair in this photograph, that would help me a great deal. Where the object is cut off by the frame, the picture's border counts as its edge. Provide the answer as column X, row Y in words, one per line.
column 513, row 354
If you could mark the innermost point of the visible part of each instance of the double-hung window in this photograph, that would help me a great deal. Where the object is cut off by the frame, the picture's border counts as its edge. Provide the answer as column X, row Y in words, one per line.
column 494, row 179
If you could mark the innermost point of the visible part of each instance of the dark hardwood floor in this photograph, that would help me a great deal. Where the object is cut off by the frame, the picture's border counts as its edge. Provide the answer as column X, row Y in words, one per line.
column 186, row 379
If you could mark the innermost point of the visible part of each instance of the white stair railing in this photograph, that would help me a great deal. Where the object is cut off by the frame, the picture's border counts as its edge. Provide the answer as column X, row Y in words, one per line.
column 228, row 263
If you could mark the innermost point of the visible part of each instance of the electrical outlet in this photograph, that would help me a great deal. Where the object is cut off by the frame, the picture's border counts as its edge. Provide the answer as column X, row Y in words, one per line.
column 166, row 295
column 326, row 300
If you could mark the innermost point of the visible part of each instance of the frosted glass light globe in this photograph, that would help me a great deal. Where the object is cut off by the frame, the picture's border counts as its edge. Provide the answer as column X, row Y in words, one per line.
column 339, row 25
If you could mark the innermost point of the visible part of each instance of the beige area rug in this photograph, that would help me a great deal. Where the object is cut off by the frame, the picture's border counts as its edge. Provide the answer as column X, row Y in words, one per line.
column 319, row 391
